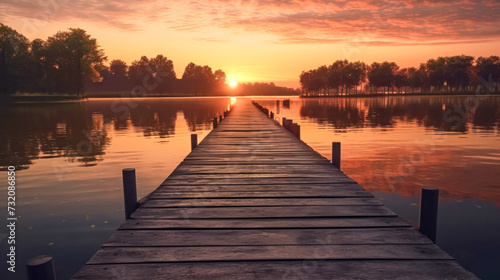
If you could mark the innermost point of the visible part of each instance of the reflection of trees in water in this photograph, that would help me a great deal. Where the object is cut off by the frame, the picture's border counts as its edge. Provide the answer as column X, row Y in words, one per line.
column 486, row 116
column 442, row 113
column 79, row 131
column 156, row 119
column 339, row 117
column 203, row 111
column 45, row 131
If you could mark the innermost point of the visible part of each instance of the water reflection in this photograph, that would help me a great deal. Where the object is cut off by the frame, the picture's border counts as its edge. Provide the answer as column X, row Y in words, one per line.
column 394, row 146
column 441, row 113
column 400, row 144
column 70, row 198
column 80, row 132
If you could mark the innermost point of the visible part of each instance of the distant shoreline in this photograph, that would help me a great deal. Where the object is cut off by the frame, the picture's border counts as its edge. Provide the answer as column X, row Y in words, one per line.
column 399, row 94
column 42, row 98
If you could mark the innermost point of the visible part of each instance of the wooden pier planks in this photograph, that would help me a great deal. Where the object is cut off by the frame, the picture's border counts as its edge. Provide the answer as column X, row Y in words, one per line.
column 254, row 202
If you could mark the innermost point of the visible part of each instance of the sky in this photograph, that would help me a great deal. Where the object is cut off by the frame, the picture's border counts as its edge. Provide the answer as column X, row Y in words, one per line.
column 265, row 40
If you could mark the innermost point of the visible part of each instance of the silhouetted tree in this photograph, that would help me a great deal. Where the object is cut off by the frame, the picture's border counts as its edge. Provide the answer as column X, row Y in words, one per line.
column 155, row 74
column 416, row 78
column 402, row 79
column 488, row 70
column 353, row 74
column 457, row 73
column 382, row 74
column 199, row 79
column 73, row 56
column 334, row 77
column 13, row 58
column 220, row 80
column 436, row 72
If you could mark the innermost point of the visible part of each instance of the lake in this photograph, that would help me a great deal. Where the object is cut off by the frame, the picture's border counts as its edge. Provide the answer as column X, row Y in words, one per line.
column 69, row 157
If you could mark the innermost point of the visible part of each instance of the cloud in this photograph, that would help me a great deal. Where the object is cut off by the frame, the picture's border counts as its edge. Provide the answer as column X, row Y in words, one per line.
column 367, row 22
column 112, row 13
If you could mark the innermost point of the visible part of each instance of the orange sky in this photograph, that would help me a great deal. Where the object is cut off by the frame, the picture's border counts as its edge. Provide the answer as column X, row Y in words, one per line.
column 264, row 40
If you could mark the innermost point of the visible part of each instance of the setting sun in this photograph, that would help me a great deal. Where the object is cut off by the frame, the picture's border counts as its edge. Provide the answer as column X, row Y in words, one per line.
column 233, row 84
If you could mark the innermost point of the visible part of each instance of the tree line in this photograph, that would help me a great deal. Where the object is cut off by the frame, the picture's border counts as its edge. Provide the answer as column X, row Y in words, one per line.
column 444, row 74
column 73, row 62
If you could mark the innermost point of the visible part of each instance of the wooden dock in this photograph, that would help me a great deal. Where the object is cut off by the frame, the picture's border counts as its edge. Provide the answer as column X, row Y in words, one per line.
column 252, row 201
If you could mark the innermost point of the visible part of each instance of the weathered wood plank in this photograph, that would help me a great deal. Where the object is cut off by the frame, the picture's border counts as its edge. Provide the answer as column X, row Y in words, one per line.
column 288, row 223
column 253, row 168
column 255, row 237
column 260, row 181
column 158, row 203
column 255, row 161
column 258, row 176
column 262, row 212
column 318, row 188
column 127, row 255
column 294, row 270
column 264, row 194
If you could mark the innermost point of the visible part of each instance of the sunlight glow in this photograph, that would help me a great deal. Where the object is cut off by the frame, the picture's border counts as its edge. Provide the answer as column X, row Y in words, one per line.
column 233, row 84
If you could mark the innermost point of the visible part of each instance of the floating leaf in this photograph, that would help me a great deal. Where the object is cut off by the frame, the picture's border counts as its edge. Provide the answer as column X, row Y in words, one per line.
column 106, row 222
column 87, row 217
column 413, row 204
column 30, row 227
column 478, row 206
column 51, row 243
column 92, row 226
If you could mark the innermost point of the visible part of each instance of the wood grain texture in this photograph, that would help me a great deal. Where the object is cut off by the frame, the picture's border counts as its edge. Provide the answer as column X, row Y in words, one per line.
column 126, row 255
column 289, row 223
column 292, row 270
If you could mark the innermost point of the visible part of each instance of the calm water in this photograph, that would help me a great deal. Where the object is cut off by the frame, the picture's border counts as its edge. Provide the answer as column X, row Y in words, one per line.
column 394, row 146
column 70, row 157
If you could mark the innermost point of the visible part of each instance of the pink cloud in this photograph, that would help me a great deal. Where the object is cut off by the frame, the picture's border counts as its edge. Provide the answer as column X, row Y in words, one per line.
column 291, row 21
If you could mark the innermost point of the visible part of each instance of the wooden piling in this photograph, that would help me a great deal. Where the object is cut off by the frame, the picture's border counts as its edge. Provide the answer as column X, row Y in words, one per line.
column 336, row 154
column 41, row 268
column 220, row 118
column 194, row 141
column 287, row 123
column 215, row 123
column 296, row 128
column 428, row 212
column 272, row 115
column 129, row 191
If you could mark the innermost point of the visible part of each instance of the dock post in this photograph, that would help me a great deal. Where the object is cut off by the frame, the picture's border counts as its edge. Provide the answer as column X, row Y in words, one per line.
column 215, row 123
column 288, row 124
column 428, row 212
column 41, row 268
column 225, row 114
column 129, row 191
column 336, row 154
column 194, row 141
column 297, row 130
column 272, row 115
column 220, row 118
